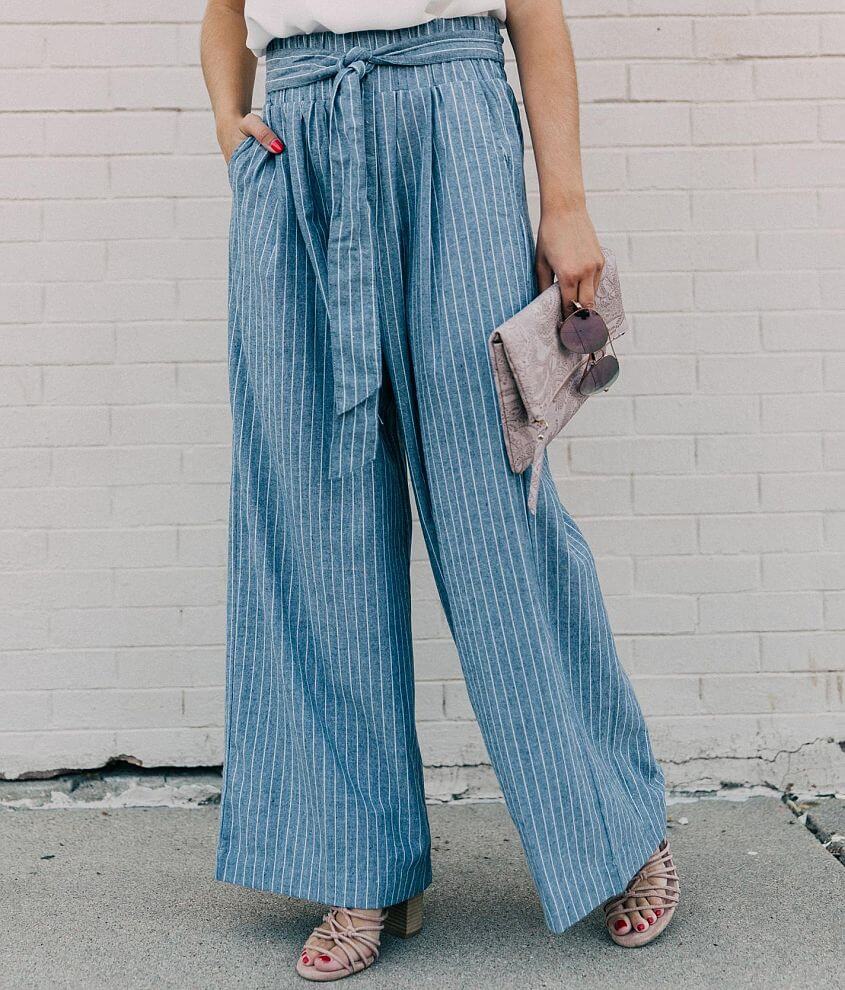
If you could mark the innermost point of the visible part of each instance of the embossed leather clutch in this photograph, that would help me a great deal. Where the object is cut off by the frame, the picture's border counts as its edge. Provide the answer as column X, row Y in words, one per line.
column 538, row 378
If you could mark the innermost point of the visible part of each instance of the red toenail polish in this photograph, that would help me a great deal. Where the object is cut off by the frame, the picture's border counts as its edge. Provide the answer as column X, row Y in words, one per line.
column 658, row 911
column 640, row 928
column 324, row 958
column 620, row 925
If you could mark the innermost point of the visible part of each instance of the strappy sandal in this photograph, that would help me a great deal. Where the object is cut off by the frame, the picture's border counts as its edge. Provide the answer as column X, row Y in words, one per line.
column 356, row 948
column 660, row 866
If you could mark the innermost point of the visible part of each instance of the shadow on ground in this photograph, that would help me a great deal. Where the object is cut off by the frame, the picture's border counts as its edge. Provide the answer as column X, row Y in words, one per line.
column 128, row 901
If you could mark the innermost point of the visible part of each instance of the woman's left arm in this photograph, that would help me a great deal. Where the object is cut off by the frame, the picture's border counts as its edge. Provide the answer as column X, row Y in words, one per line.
column 567, row 245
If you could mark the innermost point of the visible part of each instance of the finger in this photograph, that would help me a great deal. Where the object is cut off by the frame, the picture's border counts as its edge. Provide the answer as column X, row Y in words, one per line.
column 568, row 290
column 599, row 271
column 587, row 289
column 544, row 273
column 253, row 126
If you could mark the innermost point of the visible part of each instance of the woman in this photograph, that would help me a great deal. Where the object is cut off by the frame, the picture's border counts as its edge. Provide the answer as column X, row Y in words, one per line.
column 379, row 234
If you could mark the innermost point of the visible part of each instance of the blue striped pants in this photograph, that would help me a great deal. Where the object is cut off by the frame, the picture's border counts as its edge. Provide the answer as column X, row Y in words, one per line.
column 368, row 264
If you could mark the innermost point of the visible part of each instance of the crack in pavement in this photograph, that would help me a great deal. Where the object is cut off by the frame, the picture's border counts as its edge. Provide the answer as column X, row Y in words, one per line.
column 833, row 842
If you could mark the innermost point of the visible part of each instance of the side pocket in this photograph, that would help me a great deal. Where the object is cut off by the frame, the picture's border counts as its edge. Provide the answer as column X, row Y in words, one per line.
column 238, row 152
column 503, row 114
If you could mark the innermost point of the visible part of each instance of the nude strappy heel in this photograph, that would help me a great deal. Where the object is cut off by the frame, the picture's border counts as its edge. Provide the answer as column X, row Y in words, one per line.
column 359, row 944
column 659, row 866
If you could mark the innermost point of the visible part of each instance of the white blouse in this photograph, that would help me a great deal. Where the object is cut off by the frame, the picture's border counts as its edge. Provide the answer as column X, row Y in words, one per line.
column 267, row 19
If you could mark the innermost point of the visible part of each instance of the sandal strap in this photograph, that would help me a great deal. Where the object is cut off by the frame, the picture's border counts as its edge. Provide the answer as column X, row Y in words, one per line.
column 372, row 924
column 659, row 866
column 348, row 938
column 364, row 916
column 618, row 909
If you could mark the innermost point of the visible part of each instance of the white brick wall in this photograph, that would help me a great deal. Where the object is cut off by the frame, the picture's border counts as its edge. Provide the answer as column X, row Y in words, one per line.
column 711, row 482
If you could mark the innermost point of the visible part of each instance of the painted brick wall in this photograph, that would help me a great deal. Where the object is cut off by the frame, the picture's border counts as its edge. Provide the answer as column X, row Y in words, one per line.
column 711, row 481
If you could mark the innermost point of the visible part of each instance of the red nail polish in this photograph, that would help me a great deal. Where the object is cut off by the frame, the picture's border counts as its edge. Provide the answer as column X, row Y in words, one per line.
column 658, row 911
column 305, row 959
column 620, row 924
column 276, row 146
column 641, row 928
column 324, row 958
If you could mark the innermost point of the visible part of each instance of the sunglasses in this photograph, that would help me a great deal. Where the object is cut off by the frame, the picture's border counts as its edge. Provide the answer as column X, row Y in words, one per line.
column 585, row 332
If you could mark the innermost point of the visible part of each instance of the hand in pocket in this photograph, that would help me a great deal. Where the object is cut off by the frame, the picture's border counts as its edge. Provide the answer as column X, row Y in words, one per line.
column 251, row 126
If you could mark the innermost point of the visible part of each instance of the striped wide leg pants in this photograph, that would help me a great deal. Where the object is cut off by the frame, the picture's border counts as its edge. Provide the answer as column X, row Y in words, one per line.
column 369, row 262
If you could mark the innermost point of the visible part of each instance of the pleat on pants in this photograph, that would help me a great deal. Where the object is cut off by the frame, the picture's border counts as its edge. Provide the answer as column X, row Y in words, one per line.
column 323, row 793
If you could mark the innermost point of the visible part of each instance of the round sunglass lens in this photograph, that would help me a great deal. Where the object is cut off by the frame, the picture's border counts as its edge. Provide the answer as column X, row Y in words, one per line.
column 600, row 375
column 583, row 332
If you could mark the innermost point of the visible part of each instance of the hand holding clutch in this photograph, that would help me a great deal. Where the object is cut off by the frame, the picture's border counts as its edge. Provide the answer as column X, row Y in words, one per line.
column 541, row 379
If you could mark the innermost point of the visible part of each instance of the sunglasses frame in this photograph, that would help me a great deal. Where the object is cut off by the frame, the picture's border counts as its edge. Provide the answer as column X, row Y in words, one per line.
column 579, row 308
column 592, row 360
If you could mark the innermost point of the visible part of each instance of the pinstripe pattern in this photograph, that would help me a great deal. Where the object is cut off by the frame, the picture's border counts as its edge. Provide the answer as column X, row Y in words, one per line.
column 323, row 788
column 345, row 269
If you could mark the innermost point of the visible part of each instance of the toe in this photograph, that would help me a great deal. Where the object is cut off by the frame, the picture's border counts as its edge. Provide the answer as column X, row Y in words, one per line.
column 307, row 955
column 325, row 964
column 623, row 923
column 645, row 910
column 638, row 922
column 657, row 905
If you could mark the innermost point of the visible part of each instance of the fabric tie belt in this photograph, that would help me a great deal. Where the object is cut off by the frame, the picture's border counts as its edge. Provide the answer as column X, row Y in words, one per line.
column 346, row 265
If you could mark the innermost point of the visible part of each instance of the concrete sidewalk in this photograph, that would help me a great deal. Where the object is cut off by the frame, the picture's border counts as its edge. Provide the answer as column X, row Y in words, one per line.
column 125, row 899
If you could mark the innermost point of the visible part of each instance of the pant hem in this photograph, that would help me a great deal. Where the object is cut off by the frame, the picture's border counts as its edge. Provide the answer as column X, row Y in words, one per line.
column 322, row 895
column 559, row 922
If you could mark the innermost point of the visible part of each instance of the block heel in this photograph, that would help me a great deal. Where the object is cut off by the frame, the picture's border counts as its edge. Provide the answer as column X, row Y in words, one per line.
column 405, row 919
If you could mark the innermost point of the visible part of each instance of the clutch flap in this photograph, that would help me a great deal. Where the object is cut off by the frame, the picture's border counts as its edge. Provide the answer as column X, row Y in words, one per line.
column 538, row 361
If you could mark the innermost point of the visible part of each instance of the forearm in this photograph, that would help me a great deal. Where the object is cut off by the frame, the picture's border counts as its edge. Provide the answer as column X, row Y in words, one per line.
column 546, row 64
column 228, row 66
